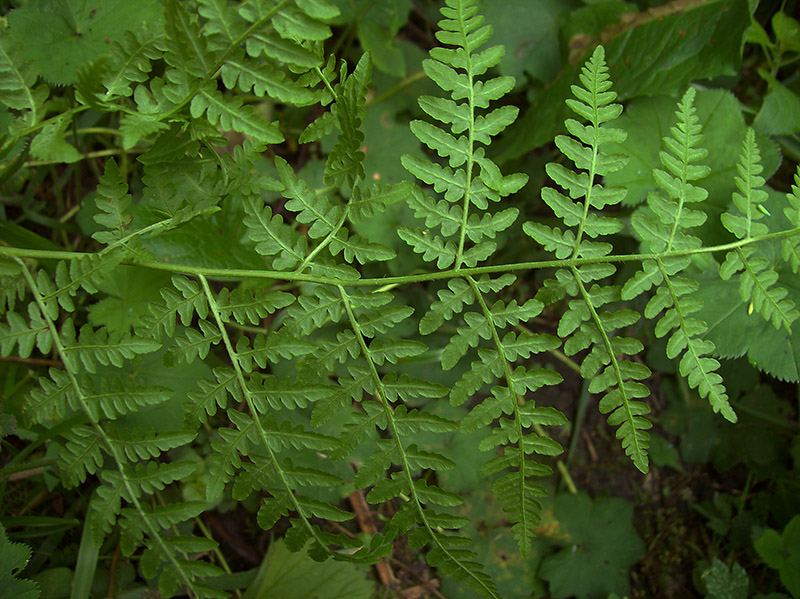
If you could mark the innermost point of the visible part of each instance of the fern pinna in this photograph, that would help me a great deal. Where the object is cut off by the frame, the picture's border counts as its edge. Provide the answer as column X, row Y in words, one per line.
column 305, row 368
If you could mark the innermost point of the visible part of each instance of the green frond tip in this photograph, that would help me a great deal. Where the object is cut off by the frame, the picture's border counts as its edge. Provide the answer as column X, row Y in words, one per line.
column 595, row 100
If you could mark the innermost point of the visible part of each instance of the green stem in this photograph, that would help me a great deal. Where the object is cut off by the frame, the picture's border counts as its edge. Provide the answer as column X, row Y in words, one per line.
column 238, row 273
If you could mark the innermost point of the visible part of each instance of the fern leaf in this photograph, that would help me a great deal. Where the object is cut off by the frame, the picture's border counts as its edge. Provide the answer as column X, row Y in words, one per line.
column 147, row 478
column 82, row 455
column 25, row 335
column 440, row 214
column 86, row 273
column 355, row 247
column 163, row 517
column 310, row 207
column 108, row 348
column 50, row 143
column 270, row 348
column 194, row 344
column 283, row 50
column 443, row 179
column 222, row 27
column 264, row 78
column 113, row 202
column 272, row 236
column 185, row 302
column 213, row 394
column 432, row 247
column 141, row 445
column 230, row 114
column 451, row 301
column 293, row 22
column 131, row 56
column 50, row 400
column 312, row 311
column 370, row 200
column 115, row 396
column 184, row 44
column 249, row 306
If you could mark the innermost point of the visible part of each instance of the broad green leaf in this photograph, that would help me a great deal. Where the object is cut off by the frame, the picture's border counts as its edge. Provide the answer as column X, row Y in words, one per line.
column 599, row 541
column 296, row 576
column 533, row 49
column 680, row 36
column 64, row 36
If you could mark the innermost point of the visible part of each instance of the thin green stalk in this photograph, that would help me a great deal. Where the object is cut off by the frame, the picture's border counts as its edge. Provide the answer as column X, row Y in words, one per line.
column 240, row 273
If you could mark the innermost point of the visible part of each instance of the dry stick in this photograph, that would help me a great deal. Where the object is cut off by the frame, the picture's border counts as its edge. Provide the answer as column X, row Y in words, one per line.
column 366, row 523
column 429, row 585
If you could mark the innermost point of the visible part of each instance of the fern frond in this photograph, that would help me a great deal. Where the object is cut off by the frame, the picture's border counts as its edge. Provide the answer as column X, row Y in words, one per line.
column 469, row 177
column 663, row 227
column 758, row 277
column 113, row 201
column 584, row 324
